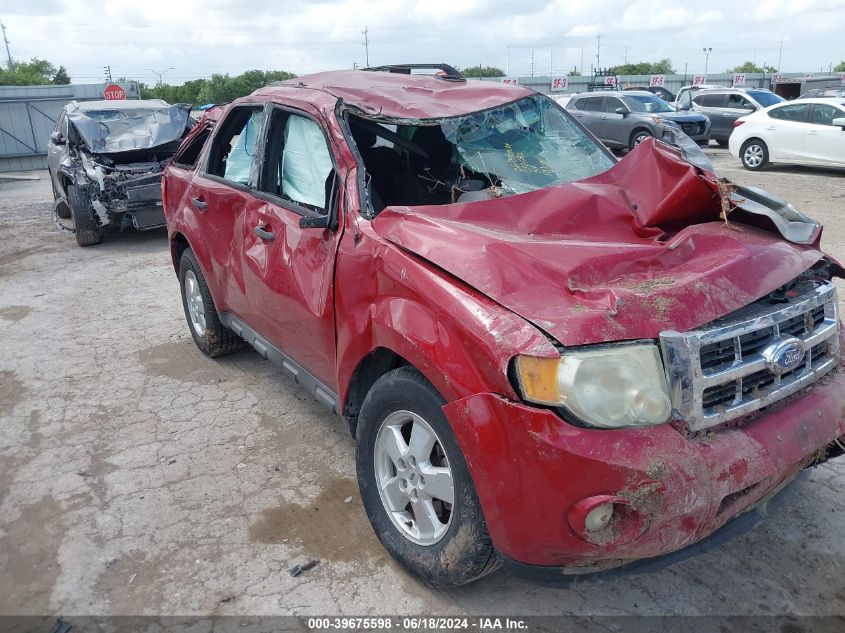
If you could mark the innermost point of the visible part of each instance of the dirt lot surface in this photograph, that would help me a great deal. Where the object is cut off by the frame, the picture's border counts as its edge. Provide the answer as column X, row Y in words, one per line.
column 139, row 477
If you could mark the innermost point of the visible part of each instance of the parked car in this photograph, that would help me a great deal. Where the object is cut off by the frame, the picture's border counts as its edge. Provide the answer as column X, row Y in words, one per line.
column 818, row 93
column 724, row 106
column 660, row 91
column 622, row 120
column 802, row 132
column 685, row 94
column 105, row 160
column 548, row 358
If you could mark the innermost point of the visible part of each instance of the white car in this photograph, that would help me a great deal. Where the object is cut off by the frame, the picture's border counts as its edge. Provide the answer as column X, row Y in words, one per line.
column 806, row 132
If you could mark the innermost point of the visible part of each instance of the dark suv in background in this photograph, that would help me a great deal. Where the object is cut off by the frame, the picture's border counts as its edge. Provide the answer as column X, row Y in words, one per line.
column 623, row 119
column 723, row 106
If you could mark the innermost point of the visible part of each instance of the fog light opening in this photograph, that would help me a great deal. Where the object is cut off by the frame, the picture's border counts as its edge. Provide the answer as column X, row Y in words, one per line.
column 599, row 517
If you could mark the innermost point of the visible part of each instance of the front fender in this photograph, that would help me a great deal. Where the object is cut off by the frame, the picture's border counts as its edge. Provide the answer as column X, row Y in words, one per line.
column 459, row 339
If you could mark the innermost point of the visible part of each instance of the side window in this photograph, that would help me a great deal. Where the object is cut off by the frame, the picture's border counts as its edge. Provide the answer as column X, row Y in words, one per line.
column 796, row 113
column 234, row 145
column 188, row 155
column 710, row 101
column 611, row 103
column 592, row 104
column 685, row 99
column 297, row 162
column 824, row 114
column 738, row 102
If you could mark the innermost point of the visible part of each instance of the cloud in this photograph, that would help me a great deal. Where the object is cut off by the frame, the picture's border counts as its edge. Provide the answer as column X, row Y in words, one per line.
column 199, row 38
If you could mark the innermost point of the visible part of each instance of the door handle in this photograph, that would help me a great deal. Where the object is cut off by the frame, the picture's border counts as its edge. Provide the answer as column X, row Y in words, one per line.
column 199, row 203
column 268, row 236
column 771, row 128
column 813, row 133
column 604, row 118
column 725, row 114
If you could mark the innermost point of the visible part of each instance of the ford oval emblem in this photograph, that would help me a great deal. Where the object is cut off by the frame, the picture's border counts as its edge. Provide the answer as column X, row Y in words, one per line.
column 784, row 354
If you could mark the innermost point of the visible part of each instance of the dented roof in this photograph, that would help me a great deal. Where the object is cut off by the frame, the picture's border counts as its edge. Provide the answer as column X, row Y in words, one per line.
column 401, row 96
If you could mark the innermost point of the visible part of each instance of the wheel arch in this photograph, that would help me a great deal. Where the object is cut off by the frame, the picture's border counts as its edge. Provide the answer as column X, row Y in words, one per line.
column 369, row 369
column 178, row 245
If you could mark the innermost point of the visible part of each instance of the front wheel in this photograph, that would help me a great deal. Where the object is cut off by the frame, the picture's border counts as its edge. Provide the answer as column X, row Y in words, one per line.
column 754, row 154
column 210, row 335
column 638, row 137
column 85, row 227
column 415, row 484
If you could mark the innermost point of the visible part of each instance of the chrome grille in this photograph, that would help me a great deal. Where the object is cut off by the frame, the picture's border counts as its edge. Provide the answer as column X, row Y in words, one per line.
column 723, row 371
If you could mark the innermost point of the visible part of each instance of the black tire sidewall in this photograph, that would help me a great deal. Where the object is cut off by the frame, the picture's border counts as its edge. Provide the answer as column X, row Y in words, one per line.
column 452, row 560
column 87, row 231
column 635, row 135
column 217, row 340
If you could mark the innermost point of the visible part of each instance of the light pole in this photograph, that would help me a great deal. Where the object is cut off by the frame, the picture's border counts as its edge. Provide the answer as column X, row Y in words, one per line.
column 160, row 74
column 706, row 52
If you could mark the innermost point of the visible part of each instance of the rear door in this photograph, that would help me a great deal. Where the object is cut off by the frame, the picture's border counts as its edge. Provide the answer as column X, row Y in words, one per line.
column 216, row 203
column 713, row 107
column 786, row 132
column 289, row 270
column 588, row 110
column 614, row 127
column 825, row 143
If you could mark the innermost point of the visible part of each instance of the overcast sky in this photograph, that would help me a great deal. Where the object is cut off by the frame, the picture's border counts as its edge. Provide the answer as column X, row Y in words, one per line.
column 198, row 38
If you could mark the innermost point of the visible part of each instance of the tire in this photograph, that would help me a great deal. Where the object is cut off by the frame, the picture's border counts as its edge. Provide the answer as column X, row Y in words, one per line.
column 86, row 229
column 457, row 549
column 722, row 142
column 637, row 137
column 63, row 210
column 754, row 154
column 210, row 335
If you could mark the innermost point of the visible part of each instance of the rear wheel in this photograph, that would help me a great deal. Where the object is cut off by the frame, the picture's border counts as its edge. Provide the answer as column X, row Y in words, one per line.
column 754, row 154
column 85, row 226
column 638, row 137
column 415, row 484
column 210, row 335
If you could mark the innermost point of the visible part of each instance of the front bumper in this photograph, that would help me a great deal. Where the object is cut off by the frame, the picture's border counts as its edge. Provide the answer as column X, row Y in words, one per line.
column 530, row 467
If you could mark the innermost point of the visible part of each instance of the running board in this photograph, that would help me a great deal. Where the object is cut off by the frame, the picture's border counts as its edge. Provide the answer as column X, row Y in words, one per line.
column 302, row 376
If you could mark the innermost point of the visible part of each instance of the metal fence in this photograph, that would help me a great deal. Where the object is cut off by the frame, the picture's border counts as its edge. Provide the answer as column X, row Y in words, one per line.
column 27, row 116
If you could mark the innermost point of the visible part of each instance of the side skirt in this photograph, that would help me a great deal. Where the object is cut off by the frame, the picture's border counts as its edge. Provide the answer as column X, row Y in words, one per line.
column 302, row 376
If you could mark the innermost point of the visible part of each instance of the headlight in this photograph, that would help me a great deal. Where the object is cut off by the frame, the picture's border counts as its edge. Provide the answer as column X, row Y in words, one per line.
column 606, row 387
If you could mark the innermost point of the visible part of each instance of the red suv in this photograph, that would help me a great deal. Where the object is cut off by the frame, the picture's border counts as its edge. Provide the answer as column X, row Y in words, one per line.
column 548, row 358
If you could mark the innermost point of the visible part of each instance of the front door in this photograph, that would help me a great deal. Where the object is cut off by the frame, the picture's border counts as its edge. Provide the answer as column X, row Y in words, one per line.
column 289, row 270
column 825, row 142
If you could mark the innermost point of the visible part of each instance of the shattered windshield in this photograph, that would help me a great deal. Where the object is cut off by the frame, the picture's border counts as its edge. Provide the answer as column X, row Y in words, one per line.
column 525, row 145
column 125, row 129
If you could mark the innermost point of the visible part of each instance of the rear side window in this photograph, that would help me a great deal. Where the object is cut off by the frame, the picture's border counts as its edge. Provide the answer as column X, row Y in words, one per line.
column 709, row 101
column 738, row 102
column 298, row 165
column 233, row 147
column 795, row 112
column 190, row 153
column 592, row 104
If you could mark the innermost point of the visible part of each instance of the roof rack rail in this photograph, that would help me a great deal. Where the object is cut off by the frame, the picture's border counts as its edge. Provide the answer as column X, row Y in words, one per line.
column 447, row 72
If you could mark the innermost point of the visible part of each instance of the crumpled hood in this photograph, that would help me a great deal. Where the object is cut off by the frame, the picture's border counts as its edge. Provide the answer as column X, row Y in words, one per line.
column 624, row 255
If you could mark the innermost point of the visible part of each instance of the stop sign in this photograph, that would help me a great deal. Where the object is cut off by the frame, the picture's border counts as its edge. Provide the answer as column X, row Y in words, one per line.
column 113, row 92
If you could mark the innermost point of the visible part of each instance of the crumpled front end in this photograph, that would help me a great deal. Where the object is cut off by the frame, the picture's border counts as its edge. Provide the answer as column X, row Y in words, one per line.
column 538, row 476
column 123, row 195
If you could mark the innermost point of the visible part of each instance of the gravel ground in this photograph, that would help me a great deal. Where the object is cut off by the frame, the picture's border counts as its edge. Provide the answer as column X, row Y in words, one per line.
column 139, row 477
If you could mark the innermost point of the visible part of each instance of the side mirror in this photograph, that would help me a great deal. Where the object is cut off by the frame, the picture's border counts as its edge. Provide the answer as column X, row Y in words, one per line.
column 684, row 107
column 57, row 139
column 840, row 123
column 621, row 111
